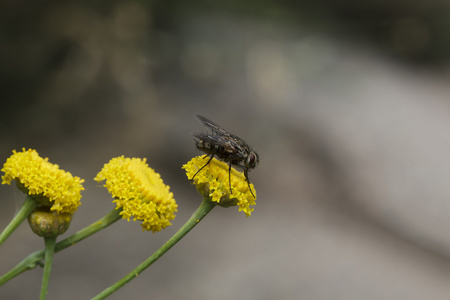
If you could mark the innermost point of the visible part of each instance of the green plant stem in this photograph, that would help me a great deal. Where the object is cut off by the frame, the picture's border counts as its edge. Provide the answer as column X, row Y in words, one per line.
column 32, row 260
column 28, row 206
column 199, row 214
column 49, row 251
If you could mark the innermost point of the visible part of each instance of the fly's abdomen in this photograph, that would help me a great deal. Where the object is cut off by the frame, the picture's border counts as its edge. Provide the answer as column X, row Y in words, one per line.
column 206, row 147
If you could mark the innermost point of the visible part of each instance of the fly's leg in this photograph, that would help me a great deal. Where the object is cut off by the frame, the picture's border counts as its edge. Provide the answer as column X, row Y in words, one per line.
column 204, row 165
column 229, row 177
column 248, row 181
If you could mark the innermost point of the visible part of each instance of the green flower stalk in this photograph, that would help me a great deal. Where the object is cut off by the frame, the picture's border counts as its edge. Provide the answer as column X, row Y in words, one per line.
column 49, row 251
column 201, row 212
column 48, row 225
column 34, row 259
column 28, row 206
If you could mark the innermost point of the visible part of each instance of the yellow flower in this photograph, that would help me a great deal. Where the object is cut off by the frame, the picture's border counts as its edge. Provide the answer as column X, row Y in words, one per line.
column 212, row 182
column 43, row 180
column 140, row 191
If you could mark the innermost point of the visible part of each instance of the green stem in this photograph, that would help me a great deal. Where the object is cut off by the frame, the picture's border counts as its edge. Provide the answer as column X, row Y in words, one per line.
column 49, row 251
column 108, row 219
column 32, row 260
column 28, row 206
column 201, row 212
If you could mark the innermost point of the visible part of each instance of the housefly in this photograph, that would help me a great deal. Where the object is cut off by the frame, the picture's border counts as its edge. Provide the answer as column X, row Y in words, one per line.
column 226, row 147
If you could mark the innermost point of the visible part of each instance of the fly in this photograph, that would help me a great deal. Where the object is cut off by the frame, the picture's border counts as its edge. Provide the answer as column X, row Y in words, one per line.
column 226, row 147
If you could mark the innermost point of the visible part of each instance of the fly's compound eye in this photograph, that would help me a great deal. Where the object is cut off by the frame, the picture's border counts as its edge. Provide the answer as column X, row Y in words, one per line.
column 252, row 160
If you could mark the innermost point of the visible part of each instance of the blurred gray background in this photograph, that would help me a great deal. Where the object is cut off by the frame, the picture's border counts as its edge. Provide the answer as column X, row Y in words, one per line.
column 347, row 103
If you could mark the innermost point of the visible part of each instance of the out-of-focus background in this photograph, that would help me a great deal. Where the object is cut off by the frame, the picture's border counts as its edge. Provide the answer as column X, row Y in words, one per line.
column 346, row 102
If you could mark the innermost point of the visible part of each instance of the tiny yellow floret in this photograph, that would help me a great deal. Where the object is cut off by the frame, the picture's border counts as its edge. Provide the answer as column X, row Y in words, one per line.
column 43, row 180
column 139, row 191
column 212, row 182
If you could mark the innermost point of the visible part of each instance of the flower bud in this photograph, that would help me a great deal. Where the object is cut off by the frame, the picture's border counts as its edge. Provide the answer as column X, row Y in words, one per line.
column 48, row 223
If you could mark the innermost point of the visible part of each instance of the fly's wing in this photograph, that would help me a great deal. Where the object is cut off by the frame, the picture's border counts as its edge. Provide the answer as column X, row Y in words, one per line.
column 218, row 140
column 231, row 142
column 213, row 126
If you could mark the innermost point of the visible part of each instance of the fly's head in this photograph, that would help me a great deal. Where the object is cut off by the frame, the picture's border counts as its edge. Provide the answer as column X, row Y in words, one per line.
column 252, row 160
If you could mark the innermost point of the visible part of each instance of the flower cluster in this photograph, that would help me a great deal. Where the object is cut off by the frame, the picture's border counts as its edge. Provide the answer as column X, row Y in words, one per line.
column 43, row 181
column 139, row 191
column 212, row 182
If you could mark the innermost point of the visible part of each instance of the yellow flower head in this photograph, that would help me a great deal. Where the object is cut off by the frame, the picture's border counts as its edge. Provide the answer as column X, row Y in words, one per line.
column 43, row 180
column 212, row 182
column 140, row 191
